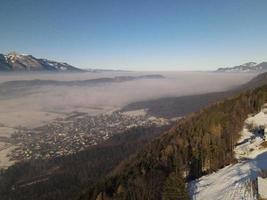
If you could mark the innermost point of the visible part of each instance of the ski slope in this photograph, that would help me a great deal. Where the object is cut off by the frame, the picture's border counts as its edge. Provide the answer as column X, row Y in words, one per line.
column 234, row 182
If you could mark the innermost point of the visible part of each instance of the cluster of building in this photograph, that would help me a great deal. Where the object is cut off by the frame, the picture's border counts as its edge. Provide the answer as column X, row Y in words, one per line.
column 74, row 133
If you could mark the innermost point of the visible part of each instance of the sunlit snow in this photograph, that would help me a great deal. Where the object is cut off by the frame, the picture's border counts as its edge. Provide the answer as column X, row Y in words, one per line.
column 234, row 182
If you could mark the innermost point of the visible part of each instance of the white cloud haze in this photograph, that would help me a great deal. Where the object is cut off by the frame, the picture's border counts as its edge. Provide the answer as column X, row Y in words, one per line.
column 46, row 102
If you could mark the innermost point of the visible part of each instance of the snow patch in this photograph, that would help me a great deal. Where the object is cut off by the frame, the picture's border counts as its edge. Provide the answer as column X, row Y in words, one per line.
column 235, row 182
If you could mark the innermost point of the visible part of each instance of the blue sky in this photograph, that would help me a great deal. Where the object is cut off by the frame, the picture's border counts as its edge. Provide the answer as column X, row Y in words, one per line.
column 137, row 34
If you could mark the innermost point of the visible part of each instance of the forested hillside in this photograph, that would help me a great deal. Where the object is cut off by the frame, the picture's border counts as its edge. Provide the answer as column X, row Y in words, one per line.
column 200, row 143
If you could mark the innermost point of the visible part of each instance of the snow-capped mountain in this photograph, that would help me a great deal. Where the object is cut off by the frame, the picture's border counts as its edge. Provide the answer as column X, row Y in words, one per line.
column 247, row 67
column 21, row 62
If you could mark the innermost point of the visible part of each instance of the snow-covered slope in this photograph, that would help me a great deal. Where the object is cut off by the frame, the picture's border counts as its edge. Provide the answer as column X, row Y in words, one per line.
column 236, row 181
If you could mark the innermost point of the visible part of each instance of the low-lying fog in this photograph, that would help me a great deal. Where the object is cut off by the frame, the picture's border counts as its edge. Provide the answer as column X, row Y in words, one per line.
column 47, row 102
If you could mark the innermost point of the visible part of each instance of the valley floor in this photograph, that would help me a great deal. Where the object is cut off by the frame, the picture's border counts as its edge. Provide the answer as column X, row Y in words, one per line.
column 238, row 181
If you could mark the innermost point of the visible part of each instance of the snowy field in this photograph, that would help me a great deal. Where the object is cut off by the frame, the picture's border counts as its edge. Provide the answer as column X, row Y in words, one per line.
column 234, row 182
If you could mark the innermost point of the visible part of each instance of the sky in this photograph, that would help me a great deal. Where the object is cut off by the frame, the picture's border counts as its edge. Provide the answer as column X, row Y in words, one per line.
column 137, row 34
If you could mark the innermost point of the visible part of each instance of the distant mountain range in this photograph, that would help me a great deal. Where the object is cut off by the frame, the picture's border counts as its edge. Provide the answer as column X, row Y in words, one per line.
column 247, row 67
column 22, row 87
column 87, row 82
column 21, row 62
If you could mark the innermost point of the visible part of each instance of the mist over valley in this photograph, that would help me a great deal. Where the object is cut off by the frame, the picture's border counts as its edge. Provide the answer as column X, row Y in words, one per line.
column 48, row 100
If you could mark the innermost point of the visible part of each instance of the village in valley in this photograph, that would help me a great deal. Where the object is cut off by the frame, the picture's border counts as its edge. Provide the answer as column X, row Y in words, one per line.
column 75, row 132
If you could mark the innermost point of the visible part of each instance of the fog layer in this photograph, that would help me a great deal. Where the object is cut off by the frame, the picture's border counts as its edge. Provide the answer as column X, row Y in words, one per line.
column 47, row 102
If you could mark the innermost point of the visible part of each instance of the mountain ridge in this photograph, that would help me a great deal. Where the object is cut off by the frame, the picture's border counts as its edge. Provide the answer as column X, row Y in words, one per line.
column 23, row 62
column 246, row 67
